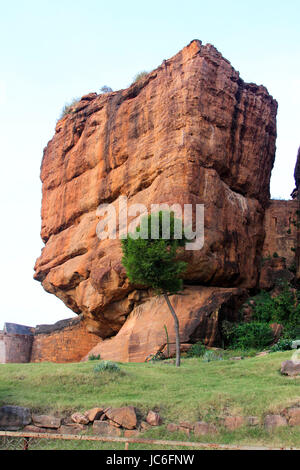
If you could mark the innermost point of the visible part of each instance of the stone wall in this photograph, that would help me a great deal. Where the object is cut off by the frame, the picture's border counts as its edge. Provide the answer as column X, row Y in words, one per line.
column 66, row 341
column 2, row 348
column 281, row 230
column 17, row 348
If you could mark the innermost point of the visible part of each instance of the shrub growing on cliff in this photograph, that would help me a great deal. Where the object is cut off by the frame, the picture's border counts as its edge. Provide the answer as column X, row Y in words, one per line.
column 152, row 260
column 139, row 76
column 68, row 107
column 106, row 89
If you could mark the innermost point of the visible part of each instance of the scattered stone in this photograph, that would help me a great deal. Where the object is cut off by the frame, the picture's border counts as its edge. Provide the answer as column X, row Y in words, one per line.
column 233, row 422
column 103, row 428
column 296, row 344
column 201, row 428
column 79, row 418
column 253, row 421
column 45, row 421
column 112, row 423
column 185, row 430
column 187, row 425
column 131, row 433
column 32, row 428
column 237, row 358
column 153, row 418
column 72, row 429
column 145, row 426
column 274, row 421
column 294, row 416
column 172, row 427
column 13, row 418
column 290, row 368
column 124, row 416
column 94, row 414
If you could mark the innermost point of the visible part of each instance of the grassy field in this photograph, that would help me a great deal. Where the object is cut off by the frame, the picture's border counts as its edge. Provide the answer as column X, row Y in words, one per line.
column 195, row 391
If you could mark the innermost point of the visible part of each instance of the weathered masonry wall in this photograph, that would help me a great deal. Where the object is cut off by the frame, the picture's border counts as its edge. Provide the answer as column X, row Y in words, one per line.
column 16, row 343
column 281, row 230
column 66, row 341
column 2, row 348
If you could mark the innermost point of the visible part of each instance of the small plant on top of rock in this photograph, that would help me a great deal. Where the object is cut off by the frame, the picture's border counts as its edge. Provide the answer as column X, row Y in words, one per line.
column 106, row 89
column 139, row 76
column 107, row 366
column 69, row 107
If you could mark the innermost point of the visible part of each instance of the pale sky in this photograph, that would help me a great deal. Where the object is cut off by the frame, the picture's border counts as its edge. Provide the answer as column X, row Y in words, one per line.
column 54, row 50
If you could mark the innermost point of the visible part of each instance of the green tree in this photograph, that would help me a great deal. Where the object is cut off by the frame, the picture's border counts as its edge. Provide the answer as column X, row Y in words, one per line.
column 151, row 258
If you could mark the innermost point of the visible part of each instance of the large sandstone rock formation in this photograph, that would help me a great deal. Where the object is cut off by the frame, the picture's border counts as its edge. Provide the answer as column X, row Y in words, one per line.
column 190, row 132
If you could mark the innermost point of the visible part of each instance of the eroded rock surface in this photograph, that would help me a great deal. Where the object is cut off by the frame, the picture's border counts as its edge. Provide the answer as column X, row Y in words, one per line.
column 190, row 132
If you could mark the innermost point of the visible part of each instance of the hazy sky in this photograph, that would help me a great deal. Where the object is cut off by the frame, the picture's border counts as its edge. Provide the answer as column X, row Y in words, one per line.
column 54, row 50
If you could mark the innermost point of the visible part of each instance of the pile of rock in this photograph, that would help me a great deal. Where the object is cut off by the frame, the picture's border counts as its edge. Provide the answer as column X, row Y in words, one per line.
column 289, row 417
column 104, row 421
column 128, row 422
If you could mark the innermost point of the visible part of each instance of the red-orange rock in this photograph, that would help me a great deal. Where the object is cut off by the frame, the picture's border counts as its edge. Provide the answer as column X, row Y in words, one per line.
column 94, row 414
column 281, row 234
column 125, row 416
column 200, row 311
column 190, row 132
column 234, row 422
column 153, row 418
column 79, row 418
column 201, row 428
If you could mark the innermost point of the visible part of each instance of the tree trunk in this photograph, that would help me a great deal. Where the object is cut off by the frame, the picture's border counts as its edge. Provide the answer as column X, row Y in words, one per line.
column 176, row 323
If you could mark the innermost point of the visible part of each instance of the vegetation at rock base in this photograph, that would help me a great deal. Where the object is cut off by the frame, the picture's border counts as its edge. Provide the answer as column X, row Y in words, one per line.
column 203, row 391
column 92, row 357
column 197, row 350
column 283, row 308
column 150, row 257
column 250, row 335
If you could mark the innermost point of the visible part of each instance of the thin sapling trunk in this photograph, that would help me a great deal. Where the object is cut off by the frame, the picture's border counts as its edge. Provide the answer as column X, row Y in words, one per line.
column 176, row 324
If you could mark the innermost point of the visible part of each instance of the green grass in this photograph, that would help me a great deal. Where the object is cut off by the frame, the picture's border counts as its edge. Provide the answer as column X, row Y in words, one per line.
column 195, row 391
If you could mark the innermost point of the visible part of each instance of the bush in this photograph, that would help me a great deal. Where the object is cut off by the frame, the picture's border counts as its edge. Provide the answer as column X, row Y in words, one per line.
column 92, row 357
column 210, row 356
column 254, row 335
column 282, row 345
column 107, row 366
column 68, row 107
column 139, row 76
column 283, row 309
column 106, row 89
column 197, row 350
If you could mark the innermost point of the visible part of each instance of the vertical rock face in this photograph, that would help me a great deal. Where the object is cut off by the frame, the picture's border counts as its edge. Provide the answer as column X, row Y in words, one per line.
column 281, row 230
column 297, row 171
column 190, row 132
column 296, row 195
